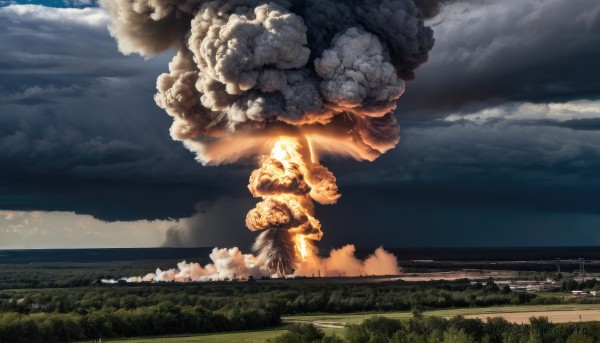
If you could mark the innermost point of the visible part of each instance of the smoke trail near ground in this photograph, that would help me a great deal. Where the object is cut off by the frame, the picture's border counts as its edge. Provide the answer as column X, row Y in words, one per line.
column 288, row 80
column 231, row 264
column 343, row 262
column 228, row 264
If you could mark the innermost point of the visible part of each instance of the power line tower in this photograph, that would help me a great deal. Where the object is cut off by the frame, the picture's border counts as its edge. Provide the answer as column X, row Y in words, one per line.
column 581, row 270
column 557, row 261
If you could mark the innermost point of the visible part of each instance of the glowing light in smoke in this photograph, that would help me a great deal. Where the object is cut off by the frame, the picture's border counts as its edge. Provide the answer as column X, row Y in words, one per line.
column 288, row 180
column 301, row 246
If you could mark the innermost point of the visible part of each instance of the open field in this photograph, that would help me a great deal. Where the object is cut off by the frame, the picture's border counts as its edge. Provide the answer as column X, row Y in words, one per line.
column 553, row 316
column 232, row 337
column 560, row 313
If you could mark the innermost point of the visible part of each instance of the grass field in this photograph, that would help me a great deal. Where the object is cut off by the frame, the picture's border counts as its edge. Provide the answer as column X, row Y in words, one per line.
column 560, row 313
column 553, row 316
column 235, row 337
column 333, row 323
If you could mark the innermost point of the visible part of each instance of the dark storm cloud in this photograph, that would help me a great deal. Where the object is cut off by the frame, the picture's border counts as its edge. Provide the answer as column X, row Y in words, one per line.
column 52, row 3
column 466, row 183
column 428, row 213
column 509, row 151
column 463, row 213
column 491, row 52
column 39, row 57
column 107, row 199
column 215, row 223
column 78, row 128
column 589, row 124
column 431, row 8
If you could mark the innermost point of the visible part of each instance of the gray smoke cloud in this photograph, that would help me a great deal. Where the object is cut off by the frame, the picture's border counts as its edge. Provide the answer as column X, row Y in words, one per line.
column 246, row 68
column 431, row 8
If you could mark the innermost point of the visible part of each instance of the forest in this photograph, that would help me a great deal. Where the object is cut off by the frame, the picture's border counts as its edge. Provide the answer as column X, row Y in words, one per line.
column 131, row 310
column 431, row 329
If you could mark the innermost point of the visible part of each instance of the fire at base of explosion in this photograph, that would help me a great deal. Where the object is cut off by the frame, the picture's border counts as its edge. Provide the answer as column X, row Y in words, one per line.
column 287, row 181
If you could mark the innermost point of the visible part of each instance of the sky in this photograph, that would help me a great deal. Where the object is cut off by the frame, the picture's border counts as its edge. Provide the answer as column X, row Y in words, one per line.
column 500, row 139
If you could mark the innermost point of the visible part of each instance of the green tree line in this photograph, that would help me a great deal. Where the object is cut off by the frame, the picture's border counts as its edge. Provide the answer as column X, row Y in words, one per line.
column 162, row 319
column 420, row 329
column 277, row 298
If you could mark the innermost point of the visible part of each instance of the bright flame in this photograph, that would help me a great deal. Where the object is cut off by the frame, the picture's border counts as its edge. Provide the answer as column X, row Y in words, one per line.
column 301, row 246
column 288, row 181
column 287, row 151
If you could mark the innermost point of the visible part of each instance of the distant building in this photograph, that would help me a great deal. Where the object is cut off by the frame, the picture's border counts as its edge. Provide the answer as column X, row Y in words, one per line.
column 529, row 286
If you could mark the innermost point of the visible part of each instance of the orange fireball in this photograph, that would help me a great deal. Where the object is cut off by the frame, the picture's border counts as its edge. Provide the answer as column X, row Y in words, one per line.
column 288, row 181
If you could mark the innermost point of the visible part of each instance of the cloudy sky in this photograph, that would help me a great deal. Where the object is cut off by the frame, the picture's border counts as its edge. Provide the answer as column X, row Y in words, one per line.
column 500, row 139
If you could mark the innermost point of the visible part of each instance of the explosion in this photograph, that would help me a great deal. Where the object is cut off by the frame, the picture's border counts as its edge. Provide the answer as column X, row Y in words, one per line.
column 287, row 181
column 286, row 80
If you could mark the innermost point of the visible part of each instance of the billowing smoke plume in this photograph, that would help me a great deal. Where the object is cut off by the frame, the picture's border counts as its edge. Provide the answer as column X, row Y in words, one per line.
column 342, row 262
column 231, row 264
column 247, row 69
column 284, row 79
column 228, row 264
